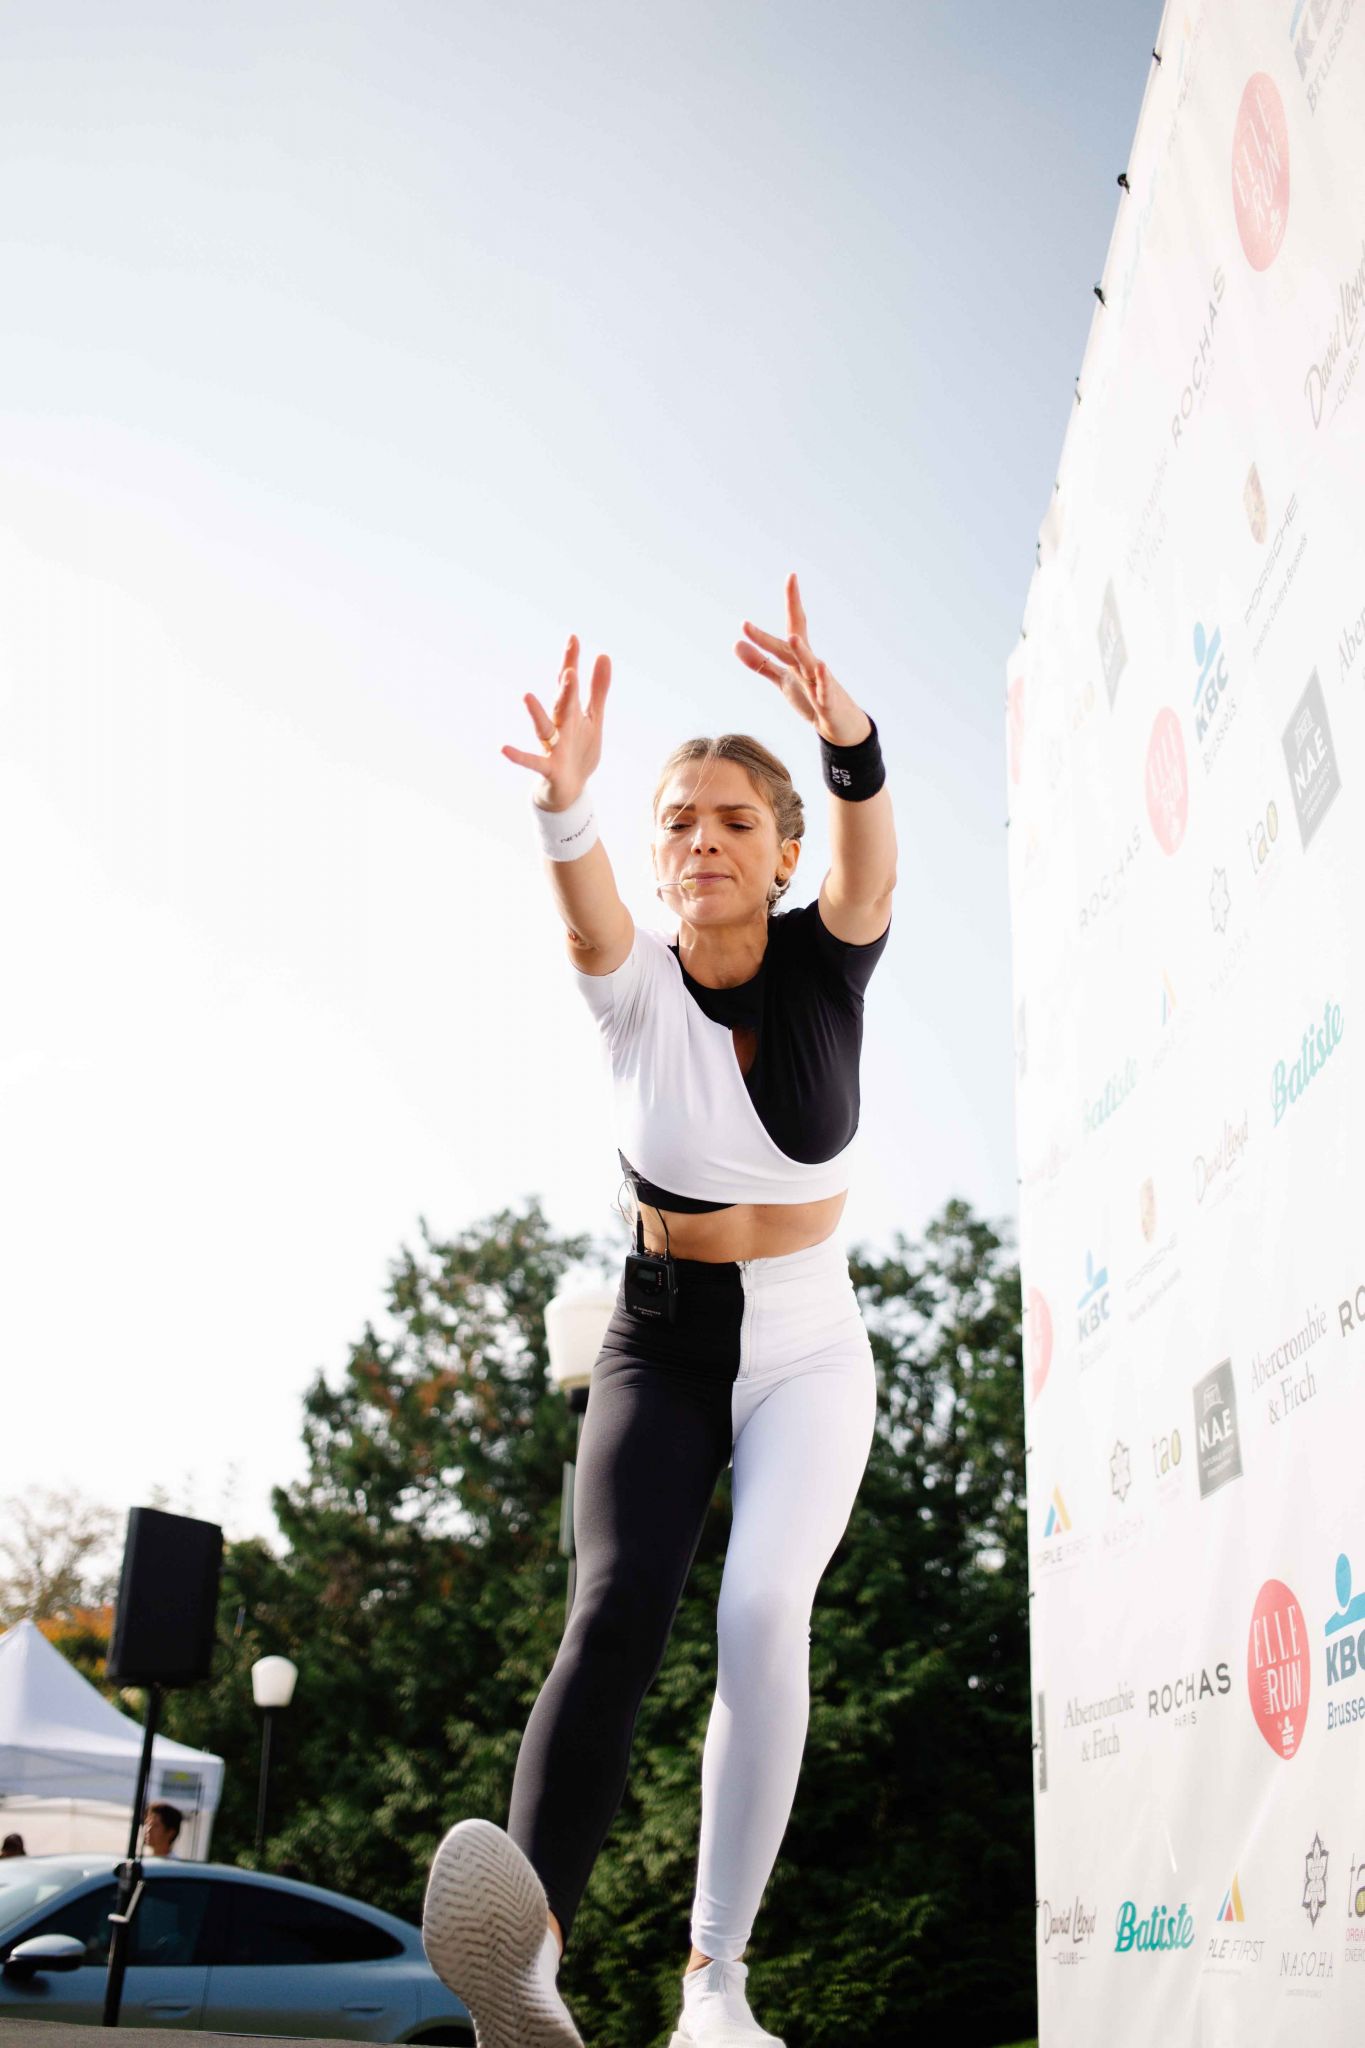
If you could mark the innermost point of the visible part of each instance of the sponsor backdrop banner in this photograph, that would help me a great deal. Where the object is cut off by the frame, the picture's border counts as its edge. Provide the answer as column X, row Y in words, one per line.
column 1186, row 779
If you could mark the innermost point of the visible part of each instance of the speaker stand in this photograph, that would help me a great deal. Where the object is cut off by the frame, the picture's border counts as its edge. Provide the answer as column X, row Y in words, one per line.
column 130, row 1871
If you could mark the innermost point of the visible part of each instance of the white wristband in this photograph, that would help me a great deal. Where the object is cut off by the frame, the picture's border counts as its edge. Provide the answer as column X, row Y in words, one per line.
column 564, row 835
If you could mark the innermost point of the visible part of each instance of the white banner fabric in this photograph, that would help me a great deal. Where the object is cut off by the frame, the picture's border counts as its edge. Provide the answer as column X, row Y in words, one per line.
column 1186, row 788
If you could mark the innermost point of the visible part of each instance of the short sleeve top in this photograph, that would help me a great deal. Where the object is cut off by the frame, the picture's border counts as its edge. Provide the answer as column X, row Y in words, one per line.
column 696, row 1133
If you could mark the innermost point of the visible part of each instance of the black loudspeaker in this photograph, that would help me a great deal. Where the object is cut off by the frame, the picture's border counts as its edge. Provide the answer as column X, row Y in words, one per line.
column 167, row 1600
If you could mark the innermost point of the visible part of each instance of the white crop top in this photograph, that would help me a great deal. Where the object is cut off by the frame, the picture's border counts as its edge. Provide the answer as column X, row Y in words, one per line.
column 687, row 1118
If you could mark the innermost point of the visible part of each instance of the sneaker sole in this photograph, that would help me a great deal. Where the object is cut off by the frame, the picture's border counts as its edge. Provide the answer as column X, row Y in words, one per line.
column 483, row 1926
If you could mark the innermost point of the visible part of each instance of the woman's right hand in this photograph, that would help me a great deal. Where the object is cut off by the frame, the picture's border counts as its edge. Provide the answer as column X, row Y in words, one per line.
column 571, row 739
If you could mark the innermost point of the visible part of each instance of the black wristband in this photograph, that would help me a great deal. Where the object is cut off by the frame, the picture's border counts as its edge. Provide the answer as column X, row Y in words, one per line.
column 854, row 773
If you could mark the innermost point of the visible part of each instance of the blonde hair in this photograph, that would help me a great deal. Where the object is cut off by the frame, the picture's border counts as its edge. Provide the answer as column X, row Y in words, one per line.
column 768, row 775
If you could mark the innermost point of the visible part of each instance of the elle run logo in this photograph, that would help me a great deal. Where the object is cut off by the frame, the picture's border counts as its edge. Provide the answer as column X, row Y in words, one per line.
column 1319, row 1042
column 1160, row 1930
column 1260, row 171
column 1167, row 780
column 1279, row 1671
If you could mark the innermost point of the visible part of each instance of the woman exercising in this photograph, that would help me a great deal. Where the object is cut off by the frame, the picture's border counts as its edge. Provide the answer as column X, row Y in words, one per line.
column 736, row 1334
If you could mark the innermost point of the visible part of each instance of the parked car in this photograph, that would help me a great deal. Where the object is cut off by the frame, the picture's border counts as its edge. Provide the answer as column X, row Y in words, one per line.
column 236, row 1951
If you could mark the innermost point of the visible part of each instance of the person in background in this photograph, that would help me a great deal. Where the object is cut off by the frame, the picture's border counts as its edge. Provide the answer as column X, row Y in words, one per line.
column 161, row 1825
column 13, row 1845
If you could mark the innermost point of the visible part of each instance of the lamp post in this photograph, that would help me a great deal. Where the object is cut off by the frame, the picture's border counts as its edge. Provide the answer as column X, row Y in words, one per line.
column 575, row 1324
column 272, row 1687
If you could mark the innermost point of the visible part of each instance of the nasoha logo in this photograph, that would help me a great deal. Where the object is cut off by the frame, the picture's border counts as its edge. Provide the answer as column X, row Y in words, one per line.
column 1260, row 171
column 1279, row 1668
column 1160, row 1930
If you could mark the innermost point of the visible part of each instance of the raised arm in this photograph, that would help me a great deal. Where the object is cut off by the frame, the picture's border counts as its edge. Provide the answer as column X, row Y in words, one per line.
column 599, row 929
column 855, row 896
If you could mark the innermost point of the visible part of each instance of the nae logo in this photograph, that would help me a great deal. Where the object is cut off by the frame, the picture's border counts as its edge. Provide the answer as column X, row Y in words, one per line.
column 1161, row 1930
column 1215, row 1417
column 1211, row 689
column 1113, row 653
column 1312, row 762
column 1345, row 1649
column 1278, row 1668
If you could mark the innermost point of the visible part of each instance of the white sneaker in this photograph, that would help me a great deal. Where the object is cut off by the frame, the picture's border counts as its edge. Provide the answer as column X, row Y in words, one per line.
column 484, row 1924
column 716, row 2013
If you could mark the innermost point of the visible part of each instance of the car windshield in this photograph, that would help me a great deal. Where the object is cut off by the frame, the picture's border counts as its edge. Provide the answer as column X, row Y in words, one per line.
column 28, row 1882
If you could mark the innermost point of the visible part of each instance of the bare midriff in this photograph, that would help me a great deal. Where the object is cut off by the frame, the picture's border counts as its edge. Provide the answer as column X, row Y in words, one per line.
column 749, row 1230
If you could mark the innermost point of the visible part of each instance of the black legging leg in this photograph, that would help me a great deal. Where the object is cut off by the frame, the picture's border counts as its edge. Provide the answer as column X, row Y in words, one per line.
column 653, row 1445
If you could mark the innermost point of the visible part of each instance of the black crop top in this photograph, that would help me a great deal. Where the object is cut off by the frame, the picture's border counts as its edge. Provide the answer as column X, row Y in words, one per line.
column 806, row 1005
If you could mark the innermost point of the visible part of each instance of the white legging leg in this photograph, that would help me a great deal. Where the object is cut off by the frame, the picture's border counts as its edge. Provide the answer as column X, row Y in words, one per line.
column 799, row 1455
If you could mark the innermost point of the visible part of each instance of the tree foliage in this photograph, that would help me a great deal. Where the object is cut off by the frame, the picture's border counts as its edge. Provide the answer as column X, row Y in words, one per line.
column 421, row 1593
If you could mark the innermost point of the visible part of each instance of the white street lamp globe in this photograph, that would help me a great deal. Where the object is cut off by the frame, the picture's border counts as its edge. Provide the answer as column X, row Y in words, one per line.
column 272, row 1681
column 575, row 1324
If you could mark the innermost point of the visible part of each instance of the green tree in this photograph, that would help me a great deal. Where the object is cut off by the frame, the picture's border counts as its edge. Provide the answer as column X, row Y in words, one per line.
column 422, row 1595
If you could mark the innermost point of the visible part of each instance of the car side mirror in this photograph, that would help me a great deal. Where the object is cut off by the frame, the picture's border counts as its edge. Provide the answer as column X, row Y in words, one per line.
column 45, row 1952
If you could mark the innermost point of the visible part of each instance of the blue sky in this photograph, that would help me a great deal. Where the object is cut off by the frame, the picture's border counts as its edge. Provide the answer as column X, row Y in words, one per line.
column 354, row 357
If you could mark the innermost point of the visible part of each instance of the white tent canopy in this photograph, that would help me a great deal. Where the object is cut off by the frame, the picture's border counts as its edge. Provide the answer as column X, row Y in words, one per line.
column 63, row 1748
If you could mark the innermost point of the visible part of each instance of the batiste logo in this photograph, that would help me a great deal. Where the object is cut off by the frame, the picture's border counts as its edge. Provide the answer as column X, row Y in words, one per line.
column 1160, row 1930
column 1319, row 1042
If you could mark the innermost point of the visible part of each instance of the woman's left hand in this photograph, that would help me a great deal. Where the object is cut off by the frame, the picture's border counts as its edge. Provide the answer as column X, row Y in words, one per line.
column 805, row 682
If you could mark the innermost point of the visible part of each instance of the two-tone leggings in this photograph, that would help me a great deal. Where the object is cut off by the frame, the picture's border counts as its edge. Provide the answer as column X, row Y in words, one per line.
column 768, row 1361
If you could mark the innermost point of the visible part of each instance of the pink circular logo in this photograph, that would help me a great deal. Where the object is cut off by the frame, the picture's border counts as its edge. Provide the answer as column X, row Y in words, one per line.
column 1037, row 1342
column 1168, row 781
column 1016, row 728
column 1279, row 1665
column 1260, row 171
